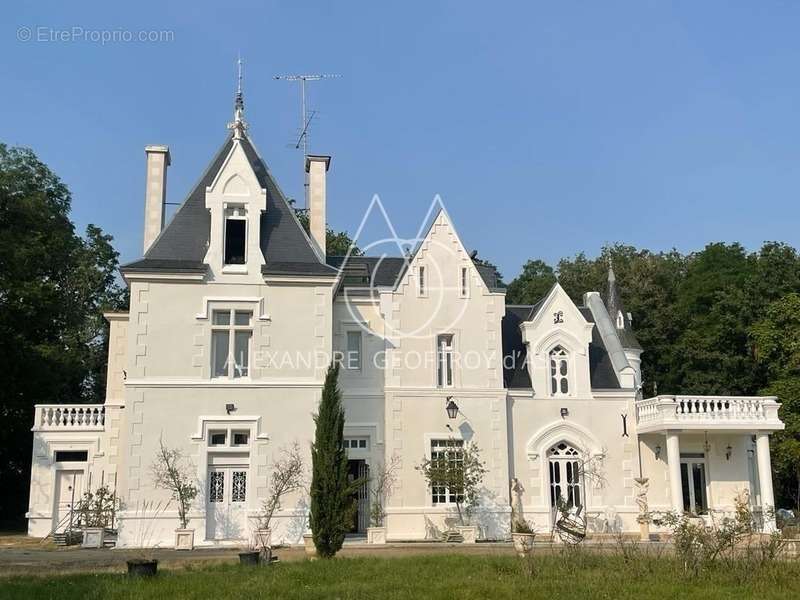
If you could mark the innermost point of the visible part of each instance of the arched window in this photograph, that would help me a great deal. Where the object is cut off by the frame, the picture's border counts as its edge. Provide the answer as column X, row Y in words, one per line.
column 566, row 484
column 559, row 371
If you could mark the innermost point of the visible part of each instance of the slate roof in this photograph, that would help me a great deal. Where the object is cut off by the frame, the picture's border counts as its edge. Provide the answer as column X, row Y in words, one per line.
column 182, row 244
column 370, row 271
column 613, row 301
column 365, row 271
column 515, row 370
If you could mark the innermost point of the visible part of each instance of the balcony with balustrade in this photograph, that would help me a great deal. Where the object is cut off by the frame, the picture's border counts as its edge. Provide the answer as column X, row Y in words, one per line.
column 708, row 413
column 69, row 417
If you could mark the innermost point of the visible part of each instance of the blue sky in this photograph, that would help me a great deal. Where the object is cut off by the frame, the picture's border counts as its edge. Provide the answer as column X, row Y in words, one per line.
column 547, row 128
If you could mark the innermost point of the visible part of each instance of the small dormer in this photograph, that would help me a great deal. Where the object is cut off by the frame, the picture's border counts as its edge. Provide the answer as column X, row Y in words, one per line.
column 557, row 337
column 236, row 202
column 623, row 325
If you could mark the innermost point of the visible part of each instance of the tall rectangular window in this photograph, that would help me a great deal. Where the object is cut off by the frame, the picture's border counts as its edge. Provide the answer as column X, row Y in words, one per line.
column 235, row 238
column 353, row 358
column 448, row 459
column 464, row 282
column 421, row 274
column 231, row 332
column 444, row 360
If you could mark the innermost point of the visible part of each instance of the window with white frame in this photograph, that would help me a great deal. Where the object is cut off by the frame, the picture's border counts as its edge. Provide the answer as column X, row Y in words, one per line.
column 235, row 236
column 217, row 438
column 464, row 282
column 566, row 478
column 231, row 333
column 355, row 443
column 240, row 438
column 559, row 371
column 444, row 360
column 446, row 456
column 225, row 437
column 352, row 359
column 421, row 283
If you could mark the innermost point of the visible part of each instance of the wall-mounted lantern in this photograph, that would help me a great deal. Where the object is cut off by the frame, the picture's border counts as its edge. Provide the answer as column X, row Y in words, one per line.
column 728, row 452
column 451, row 408
column 229, row 408
column 564, row 413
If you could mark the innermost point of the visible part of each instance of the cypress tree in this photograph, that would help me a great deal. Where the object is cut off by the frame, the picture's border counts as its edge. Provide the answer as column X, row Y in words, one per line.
column 331, row 501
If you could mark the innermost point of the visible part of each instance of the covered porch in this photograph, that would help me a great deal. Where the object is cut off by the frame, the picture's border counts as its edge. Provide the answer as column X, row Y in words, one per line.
column 701, row 452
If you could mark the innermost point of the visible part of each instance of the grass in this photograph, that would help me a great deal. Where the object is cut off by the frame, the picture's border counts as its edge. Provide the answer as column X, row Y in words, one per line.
column 579, row 575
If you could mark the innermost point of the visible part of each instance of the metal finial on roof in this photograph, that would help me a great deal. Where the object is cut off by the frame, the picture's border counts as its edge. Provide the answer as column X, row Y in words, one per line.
column 238, row 126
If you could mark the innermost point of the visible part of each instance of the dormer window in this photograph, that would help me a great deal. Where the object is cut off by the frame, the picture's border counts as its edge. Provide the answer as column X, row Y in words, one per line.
column 235, row 235
column 559, row 372
column 620, row 320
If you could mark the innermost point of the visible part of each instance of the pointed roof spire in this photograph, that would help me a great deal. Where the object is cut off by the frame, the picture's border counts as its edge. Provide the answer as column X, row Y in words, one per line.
column 613, row 299
column 238, row 125
column 617, row 312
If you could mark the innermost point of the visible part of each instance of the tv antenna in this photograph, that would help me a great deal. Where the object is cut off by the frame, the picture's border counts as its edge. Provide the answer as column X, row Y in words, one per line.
column 305, row 116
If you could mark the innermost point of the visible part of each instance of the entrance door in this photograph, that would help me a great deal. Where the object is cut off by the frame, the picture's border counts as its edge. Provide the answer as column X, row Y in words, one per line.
column 69, row 487
column 693, row 481
column 226, row 502
column 359, row 469
column 565, row 476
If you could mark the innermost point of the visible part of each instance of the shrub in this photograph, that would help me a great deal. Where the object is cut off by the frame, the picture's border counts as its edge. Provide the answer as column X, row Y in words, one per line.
column 331, row 494
column 98, row 508
column 171, row 472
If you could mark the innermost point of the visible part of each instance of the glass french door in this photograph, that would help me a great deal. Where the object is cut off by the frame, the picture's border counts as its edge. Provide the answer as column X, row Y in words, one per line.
column 694, row 484
column 226, row 502
column 565, row 477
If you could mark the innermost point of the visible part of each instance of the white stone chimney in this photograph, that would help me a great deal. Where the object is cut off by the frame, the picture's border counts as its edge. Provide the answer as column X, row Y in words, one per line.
column 316, row 167
column 155, row 194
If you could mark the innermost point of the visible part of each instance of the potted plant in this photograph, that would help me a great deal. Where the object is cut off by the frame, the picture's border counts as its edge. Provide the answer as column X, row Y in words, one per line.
column 522, row 536
column 287, row 477
column 96, row 511
column 171, row 472
column 460, row 471
column 145, row 564
column 308, row 544
column 380, row 492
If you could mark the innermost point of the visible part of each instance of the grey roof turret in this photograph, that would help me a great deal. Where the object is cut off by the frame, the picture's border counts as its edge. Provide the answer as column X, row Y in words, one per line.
column 617, row 312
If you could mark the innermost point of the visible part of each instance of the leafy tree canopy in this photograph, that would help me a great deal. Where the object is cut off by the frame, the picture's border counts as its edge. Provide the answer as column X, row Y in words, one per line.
column 54, row 286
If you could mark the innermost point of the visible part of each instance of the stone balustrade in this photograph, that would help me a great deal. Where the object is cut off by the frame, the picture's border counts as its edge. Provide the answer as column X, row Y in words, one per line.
column 70, row 417
column 708, row 412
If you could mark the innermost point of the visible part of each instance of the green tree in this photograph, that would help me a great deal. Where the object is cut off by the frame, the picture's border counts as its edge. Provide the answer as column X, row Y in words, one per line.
column 776, row 339
column 331, row 493
column 337, row 243
column 532, row 284
column 54, row 286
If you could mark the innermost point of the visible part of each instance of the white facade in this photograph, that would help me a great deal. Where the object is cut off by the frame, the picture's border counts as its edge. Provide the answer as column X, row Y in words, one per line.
column 235, row 313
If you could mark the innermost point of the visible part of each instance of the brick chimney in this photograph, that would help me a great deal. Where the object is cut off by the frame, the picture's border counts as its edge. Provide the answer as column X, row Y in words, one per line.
column 155, row 194
column 316, row 167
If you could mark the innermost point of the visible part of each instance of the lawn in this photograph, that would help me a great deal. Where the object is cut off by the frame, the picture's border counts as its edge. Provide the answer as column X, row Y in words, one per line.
column 441, row 576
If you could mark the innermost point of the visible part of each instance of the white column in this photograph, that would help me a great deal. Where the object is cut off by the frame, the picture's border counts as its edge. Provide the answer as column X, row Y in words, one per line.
column 765, row 480
column 674, row 462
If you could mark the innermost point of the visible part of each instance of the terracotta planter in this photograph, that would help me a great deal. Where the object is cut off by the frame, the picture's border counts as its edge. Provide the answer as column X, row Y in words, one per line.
column 261, row 538
column 523, row 543
column 469, row 533
column 142, row 568
column 184, row 539
column 308, row 542
column 376, row 535
column 93, row 537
